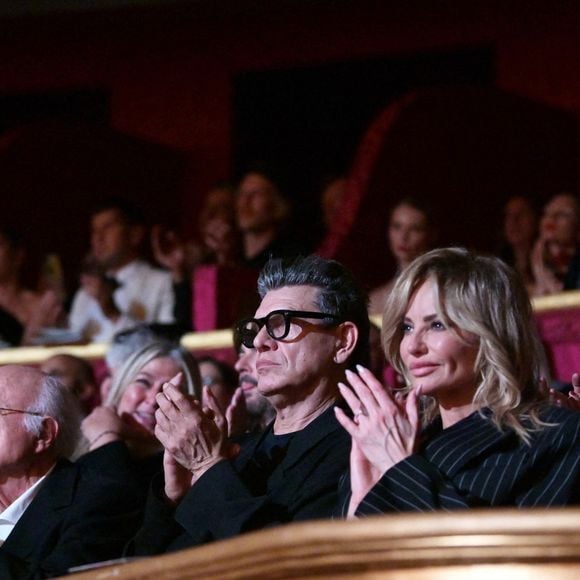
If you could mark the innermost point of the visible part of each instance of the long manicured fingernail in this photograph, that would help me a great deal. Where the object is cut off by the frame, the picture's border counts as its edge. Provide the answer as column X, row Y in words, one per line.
column 361, row 369
column 342, row 386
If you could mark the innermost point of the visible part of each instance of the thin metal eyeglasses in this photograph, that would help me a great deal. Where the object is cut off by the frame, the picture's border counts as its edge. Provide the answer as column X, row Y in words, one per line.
column 5, row 411
column 277, row 324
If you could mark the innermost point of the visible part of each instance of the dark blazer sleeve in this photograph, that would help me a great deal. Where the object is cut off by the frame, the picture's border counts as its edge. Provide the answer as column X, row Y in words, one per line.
column 78, row 517
column 413, row 484
column 473, row 464
column 221, row 504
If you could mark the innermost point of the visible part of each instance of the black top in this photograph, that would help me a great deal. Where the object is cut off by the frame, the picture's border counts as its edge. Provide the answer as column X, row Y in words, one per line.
column 301, row 483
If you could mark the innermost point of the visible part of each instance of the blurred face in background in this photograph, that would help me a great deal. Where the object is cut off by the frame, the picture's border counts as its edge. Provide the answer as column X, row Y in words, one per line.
column 256, row 204
column 331, row 200
column 211, row 377
column 138, row 399
column 560, row 220
column 246, row 367
column 113, row 241
column 409, row 233
column 72, row 374
column 520, row 222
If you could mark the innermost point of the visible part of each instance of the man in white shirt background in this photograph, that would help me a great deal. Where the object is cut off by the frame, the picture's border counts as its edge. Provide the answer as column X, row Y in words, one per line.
column 118, row 288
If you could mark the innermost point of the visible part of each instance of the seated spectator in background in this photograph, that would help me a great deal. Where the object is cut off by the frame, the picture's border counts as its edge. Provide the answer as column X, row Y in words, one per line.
column 460, row 329
column 55, row 514
column 556, row 253
column 127, row 342
column 217, row 226
column 76, row 374
column 220, row 244
column 259, row 409
column 331, row 199
column 411, row 232
column 311, row 325
column 118, row 289
column 261, row 215
column 520, row 227
column 220, row 378
column 119, row 435
column 23, row 312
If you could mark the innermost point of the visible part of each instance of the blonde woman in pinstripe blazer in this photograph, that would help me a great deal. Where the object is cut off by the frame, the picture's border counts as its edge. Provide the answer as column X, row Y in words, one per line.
column 459, row 328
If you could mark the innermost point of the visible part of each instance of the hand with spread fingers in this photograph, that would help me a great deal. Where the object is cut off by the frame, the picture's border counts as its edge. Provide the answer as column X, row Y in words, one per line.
column 384, row 429
column 571, row 401
column 237, row 414
column 195, row 438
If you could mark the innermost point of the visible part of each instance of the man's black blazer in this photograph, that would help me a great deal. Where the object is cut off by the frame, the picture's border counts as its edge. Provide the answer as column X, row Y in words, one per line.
column 304, row 486
column 78, row 517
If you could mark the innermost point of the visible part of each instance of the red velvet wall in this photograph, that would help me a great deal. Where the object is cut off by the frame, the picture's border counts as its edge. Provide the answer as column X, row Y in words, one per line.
column 170, row 71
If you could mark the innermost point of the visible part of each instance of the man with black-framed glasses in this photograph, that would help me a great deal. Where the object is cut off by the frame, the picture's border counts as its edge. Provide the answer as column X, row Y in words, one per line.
column 311, row 326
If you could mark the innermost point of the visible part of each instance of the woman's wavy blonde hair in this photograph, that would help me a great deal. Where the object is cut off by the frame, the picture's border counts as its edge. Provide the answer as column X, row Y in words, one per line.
column 483, row 296
column 160, row 349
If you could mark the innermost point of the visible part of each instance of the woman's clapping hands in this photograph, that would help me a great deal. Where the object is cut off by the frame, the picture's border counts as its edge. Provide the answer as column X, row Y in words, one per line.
column 384, row 429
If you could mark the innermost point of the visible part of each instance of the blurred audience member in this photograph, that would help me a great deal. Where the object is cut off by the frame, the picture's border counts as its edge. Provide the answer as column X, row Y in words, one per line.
column 520, row 228
column 331, row 199
column 221, row 381
column 411, row 232
column 556, row 253
column 220, row 244
column 76, row 374
column 217, row 225
column 126, row 342
column 23, row 312
column 262, row 213
column 260, row 410
column 118, row 289
column 121, row 432
column 220, row 378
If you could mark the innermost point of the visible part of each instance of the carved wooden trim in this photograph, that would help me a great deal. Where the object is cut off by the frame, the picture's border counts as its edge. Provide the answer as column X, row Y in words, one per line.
column 482, row 543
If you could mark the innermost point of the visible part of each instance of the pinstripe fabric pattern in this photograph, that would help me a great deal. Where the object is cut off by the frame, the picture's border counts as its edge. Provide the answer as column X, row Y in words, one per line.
column 472, row 464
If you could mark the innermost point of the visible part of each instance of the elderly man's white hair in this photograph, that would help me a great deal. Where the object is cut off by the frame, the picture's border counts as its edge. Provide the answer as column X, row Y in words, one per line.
column 55, row 401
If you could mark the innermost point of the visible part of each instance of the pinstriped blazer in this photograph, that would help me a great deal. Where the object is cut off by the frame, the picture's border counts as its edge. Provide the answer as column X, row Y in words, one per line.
column 473, row 464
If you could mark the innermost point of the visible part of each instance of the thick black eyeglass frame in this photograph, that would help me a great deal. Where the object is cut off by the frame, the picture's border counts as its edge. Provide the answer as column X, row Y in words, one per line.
column 246, row 336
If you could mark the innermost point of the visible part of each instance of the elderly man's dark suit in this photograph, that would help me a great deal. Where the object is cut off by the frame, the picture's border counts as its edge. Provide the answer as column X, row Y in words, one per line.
column 227, row 500
column 78, row 516
column 473, row 464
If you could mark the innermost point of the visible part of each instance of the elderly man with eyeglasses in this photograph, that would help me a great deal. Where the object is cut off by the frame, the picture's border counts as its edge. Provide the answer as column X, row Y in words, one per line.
column 54, row 514
column 311, row 326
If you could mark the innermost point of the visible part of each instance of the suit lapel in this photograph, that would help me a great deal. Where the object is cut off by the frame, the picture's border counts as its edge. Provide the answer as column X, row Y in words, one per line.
column 29, row 536
column 453, row 448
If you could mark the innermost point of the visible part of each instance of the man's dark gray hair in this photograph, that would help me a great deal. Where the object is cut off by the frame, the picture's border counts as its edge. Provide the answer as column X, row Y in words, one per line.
column 55, row 401
column 339, row 293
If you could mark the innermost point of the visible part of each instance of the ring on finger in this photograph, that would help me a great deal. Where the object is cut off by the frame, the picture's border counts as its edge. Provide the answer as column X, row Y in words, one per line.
column 362, row 411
